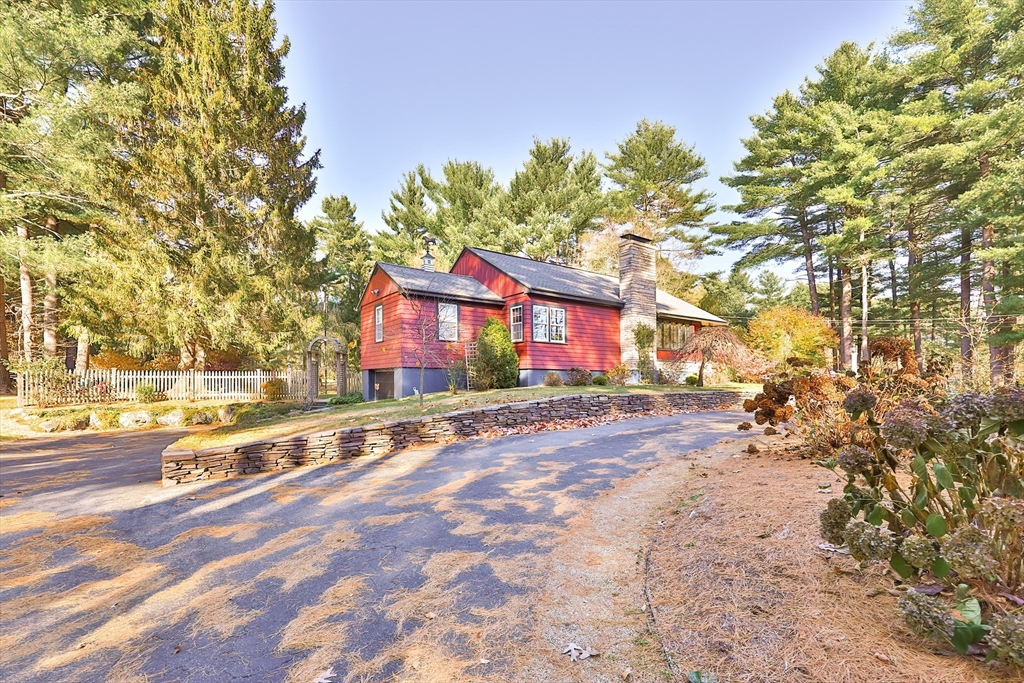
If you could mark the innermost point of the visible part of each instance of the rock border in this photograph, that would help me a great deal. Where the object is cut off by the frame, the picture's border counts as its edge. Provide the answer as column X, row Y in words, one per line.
column 282, row 453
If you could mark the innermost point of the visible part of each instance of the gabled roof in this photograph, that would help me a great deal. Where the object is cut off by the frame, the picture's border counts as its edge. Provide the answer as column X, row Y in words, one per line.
column 573, row 283
column 416, row 281
column 672, row 307
column 549, row 278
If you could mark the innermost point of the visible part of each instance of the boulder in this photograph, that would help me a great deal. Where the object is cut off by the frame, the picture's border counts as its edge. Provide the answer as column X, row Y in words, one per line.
column 225, row 414
column 95, row 422
column 49, row 425
column 172, row 419
column 134, row 418
column 203, row 417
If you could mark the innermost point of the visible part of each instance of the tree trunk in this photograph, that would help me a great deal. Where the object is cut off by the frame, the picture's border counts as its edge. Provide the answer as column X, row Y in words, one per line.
column 187, row 356
column 5, row 353
column 5, row 375
column 700, row 372
column 913, row 259
column 1006, row 325
column 812, row 284
column 846, row 318
column 27, row 302
column 996, row 355
column 423, row 371
column 51, row 300
column 82, row 357
column 865, row 304
column 966, row 347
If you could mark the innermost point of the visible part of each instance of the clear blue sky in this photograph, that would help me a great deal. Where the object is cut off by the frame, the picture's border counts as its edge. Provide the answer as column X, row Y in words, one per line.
column 389, row 85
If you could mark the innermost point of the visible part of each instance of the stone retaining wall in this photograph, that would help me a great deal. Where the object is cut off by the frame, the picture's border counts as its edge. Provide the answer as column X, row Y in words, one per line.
column 180, row 467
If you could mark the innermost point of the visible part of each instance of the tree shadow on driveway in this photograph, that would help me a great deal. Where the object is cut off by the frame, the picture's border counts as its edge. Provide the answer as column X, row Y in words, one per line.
column 420, row 562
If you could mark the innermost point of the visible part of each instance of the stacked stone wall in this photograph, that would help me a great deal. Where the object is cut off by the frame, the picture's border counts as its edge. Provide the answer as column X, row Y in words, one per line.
column 183, row 466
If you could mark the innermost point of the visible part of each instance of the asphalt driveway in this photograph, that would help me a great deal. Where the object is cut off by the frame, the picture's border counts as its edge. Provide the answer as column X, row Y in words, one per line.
column 355, row 571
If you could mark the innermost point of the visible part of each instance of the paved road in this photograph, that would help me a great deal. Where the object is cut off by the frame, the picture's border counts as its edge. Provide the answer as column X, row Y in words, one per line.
column 424, row 559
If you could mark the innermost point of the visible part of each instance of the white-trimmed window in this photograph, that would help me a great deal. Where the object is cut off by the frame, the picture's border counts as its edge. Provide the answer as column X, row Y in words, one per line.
column 378, row 323
column 447, row 322
column 556, row 324
column 515, row 322
column 549, row 324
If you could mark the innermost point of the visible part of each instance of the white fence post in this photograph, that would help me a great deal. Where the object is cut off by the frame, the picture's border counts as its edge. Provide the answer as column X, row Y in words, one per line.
column 103, row 386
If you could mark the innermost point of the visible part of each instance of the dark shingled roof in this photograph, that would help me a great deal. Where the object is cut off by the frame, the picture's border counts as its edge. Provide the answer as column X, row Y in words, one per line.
column 424, row 282
column 549, row 278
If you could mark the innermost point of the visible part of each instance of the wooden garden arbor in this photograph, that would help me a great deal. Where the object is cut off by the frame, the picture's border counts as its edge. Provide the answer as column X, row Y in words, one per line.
column 313, row 368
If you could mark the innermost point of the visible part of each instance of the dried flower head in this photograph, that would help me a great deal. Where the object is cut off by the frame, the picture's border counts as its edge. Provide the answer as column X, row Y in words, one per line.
column 1007, row 638
column 860, row 400
column 919, row 552
column 868, row 542
column 908, row 424
column 770, row 431
column 1005, row 513
column 966, row 410
column 744, row 426
column 1008, row 404
column 969, row 552
column 854, row 459
column 927, row 616
column 833, row 520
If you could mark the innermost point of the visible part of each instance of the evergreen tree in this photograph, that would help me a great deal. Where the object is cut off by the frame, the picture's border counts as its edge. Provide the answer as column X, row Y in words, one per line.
column 210, row 180
column 64, row 77
column 407, row 220
column 468, row 210
column 554, row 201
column 653, row 176
column 769, row 291
column 346, row 255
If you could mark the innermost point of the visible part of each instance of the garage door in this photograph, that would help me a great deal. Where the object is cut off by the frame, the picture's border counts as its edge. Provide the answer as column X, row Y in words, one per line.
column 384, row 384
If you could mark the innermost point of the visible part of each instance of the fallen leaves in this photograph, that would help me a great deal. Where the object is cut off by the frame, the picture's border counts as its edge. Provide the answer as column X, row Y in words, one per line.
column 325, row 676
column 576, row 653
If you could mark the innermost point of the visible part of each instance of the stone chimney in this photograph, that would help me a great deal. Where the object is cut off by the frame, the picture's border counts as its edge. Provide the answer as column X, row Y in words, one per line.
column 637, row 289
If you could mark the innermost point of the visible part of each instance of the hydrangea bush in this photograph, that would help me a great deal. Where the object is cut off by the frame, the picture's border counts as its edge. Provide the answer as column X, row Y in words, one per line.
column 934, row 484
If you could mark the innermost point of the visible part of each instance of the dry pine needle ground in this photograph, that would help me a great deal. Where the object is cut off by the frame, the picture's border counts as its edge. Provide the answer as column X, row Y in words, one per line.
column 742, row 591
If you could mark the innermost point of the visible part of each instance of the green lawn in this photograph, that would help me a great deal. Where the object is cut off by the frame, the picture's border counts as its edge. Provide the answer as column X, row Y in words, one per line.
column 391, row 410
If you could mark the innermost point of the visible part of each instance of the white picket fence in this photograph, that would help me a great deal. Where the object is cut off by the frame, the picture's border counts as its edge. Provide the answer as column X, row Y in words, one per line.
column 107, row 386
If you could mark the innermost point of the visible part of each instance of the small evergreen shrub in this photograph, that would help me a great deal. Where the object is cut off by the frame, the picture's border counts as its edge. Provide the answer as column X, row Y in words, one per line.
column 553, row 379
column 347, row 399
column 274, row 389
column 579, row 377
column 497, row 360
column 600, row 381
column 643, row 337
column 691, row 380
column 145, row 393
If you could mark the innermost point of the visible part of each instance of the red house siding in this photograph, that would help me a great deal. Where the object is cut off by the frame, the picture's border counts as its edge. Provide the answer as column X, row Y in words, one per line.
column 493, row 279
column 471, row 319
column 402, row 330
column 591, row 334
column 388, row 353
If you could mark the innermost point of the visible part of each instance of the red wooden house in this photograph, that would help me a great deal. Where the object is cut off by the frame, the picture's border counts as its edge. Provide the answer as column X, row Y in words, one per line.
column 559, row 317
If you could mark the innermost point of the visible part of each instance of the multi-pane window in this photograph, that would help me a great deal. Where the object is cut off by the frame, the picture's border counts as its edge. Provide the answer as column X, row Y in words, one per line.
column 672, row 336
column 378, row 323
column 447, row 322
column 556, row 325
column 549, row 324
column 540, row 323
column 515, row 322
